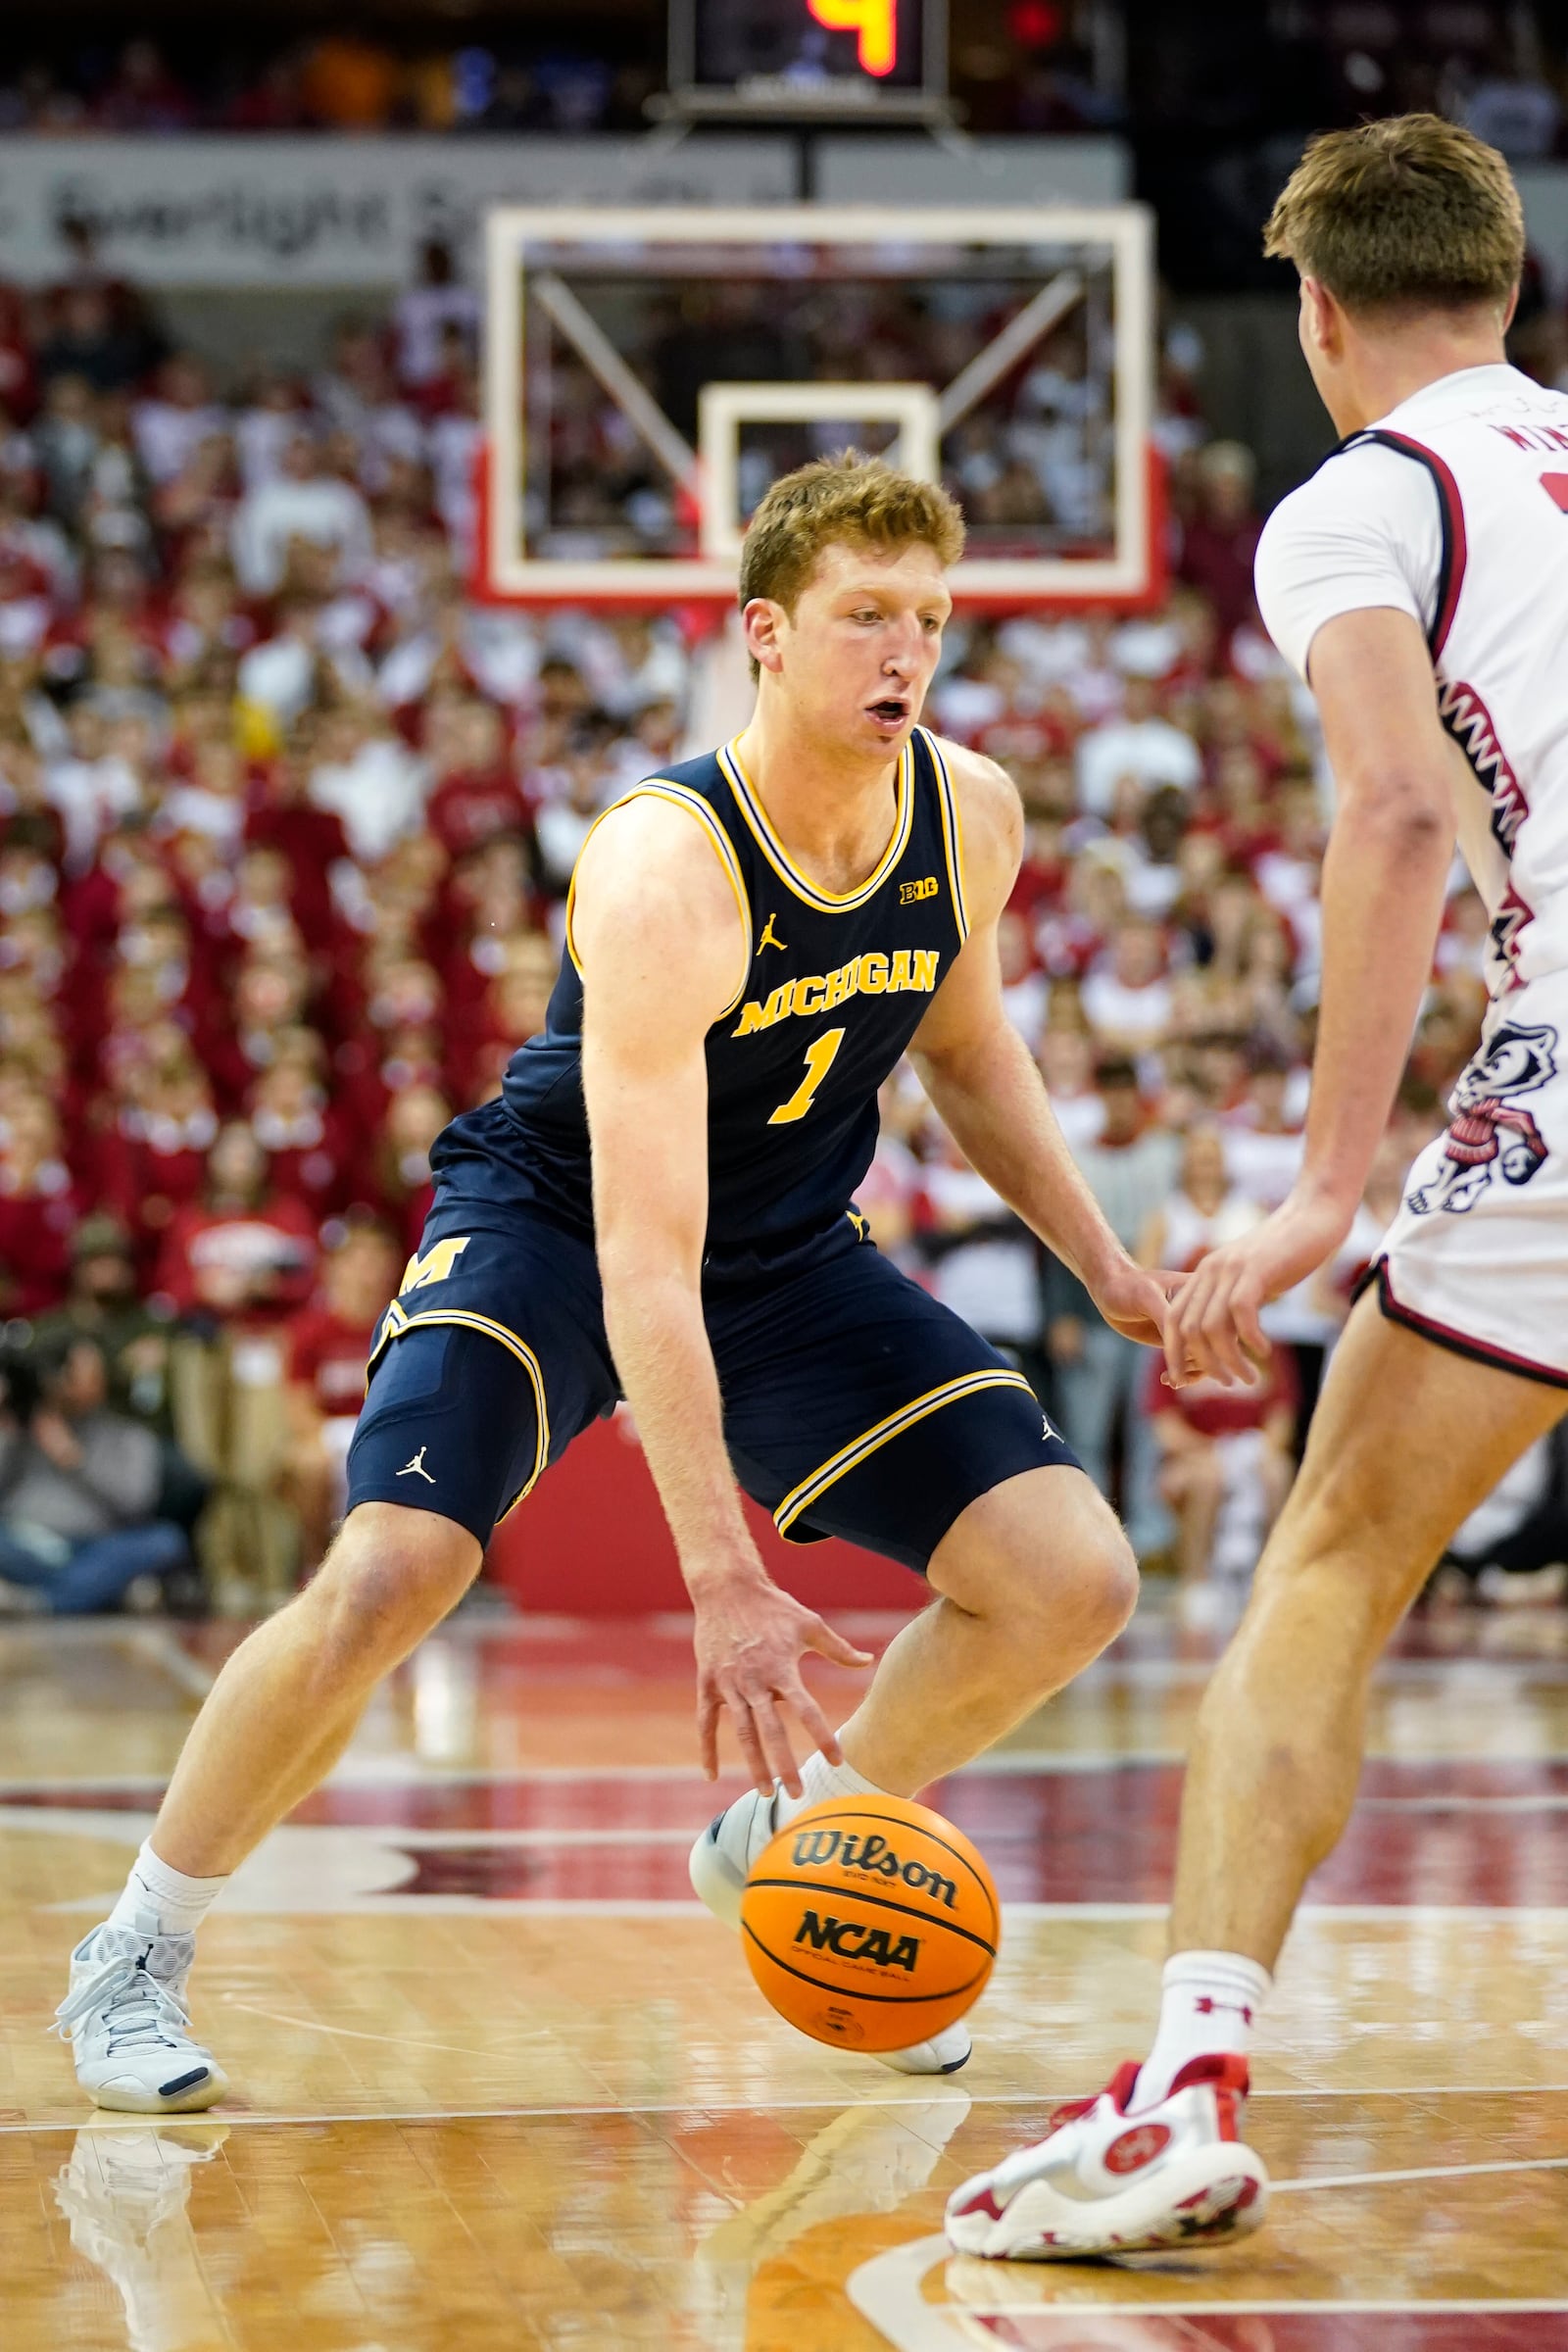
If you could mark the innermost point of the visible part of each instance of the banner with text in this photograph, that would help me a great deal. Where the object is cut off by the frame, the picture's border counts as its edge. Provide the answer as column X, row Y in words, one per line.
column 335, row 212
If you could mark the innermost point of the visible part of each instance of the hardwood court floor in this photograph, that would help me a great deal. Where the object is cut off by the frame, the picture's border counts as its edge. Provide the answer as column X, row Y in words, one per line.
column 499, row 2082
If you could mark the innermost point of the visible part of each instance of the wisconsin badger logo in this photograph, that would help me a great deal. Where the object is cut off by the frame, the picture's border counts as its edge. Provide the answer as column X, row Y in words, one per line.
column 814, row 1849
column 1489, row 1131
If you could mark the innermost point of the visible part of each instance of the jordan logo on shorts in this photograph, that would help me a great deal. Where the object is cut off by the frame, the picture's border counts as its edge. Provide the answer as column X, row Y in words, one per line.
column 416, row 1468
column 1490, row 1132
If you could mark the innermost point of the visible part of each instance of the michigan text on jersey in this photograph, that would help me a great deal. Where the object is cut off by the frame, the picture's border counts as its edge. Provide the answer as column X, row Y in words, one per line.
column 871, row 975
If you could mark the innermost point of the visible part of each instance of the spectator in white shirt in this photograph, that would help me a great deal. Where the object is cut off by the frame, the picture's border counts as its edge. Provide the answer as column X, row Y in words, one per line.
column 423, row 316
column 585, row 785
column 172, row 426
column 265, row 429
column 371, row 779
column 1138, row 744
column 1127, row 1000
column 305, row 501
column 1067, row 1057
column 90, row 786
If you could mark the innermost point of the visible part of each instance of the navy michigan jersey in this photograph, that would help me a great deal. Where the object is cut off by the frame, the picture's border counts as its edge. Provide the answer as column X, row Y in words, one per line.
column 854, row 1403
column 836, row 984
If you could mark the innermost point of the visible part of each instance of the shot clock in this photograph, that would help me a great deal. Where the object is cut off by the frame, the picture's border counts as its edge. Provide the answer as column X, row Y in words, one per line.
column 823, row 58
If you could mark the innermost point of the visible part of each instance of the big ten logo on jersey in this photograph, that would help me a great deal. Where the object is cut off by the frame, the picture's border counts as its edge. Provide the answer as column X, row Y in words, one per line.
column 911, row 891
column 435, row 1265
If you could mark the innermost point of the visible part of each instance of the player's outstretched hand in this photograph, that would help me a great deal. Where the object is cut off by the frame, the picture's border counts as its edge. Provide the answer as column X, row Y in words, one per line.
column 1134, row 1302
column 749, row 1639
column 1212, row 1331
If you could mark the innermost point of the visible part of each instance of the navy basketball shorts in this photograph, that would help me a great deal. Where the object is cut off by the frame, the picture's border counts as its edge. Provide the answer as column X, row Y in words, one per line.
column 854, row 1403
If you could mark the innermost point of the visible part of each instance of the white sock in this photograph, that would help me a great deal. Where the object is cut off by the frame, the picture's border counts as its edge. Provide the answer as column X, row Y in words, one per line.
column 1210, row 2009
column 181, row 1903
column 820, row 1779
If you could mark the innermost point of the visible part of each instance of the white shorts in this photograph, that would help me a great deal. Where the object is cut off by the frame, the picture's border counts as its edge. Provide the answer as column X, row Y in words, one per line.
column 1476, row 1257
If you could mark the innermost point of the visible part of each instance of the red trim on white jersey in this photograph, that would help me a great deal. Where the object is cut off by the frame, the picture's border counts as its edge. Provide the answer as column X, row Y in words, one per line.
column 1455, row 548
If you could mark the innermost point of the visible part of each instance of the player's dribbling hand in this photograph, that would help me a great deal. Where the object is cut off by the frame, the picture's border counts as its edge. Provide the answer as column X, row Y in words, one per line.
column 1212, row 1331
column 750, row 1638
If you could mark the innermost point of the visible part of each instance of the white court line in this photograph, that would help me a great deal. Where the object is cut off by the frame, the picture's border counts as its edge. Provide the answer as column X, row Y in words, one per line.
column 1544, row 1801
column 156, row 1645
column 390, row 1833
column 1429, row 2172
column 392, row 1772
column 916, row 2094
column 395, row 1904
column 887, row 2292
column 312, row 2025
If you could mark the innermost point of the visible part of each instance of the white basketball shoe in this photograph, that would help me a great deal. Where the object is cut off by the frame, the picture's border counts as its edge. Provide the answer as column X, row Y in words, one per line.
column 126, row 2019
column 719, row 1862
column 1103, row 2182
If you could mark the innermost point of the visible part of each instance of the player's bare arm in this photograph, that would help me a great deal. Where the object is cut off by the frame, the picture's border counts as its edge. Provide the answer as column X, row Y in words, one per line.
column 660, row 946
column 982, row 1078
column 1383, row 878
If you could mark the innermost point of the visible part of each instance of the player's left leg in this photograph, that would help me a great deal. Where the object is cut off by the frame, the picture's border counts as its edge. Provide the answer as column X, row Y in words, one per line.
column 1033, row 1580
column 1407, row 1440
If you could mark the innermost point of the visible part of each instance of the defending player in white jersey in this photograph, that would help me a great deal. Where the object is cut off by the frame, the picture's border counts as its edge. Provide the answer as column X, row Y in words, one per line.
column 1419, row 581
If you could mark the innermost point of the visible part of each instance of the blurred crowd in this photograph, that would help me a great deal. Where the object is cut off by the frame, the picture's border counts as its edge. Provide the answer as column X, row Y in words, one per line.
column 339, row 81
column 286, row 823
column 1041, row 67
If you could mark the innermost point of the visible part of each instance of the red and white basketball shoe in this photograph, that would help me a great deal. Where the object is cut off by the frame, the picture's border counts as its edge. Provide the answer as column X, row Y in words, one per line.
column 1103, row 2182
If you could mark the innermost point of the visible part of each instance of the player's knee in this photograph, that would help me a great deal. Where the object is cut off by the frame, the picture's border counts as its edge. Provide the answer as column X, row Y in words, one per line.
column 1325, row 1561
column 390, row 1577
column 1108, row 1580
column 1079, row 1591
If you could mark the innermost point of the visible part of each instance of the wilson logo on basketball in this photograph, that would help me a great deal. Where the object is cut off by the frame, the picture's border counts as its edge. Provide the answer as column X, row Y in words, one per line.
column 814, row 1849
column 1137, row 2147
column 851, row 1939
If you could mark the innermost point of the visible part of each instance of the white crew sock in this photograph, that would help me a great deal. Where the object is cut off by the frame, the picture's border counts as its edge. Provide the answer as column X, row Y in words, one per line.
column 181, row 1903
column 1209, row 2008
column 820, row 1779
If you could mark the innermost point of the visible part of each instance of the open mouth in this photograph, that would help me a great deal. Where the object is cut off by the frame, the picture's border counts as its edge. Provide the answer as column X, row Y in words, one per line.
column 891, row 712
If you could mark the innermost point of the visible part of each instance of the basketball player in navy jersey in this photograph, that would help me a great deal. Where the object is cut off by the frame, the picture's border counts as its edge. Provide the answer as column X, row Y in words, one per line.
column 661, row 1207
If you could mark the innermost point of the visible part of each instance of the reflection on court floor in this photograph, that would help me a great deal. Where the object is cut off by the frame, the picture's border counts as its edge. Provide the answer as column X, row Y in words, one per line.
column 500, row 2081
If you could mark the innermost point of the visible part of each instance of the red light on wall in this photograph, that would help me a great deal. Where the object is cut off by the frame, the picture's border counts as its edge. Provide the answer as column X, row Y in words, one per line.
column 1036, row 23
column 873, row 22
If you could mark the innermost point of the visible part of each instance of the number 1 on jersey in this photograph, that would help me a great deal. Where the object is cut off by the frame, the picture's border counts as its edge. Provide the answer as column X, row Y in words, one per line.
column 820, row 1056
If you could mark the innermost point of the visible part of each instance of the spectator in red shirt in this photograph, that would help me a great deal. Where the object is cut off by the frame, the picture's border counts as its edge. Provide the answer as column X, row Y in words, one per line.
column 152, row 1161
column 328, row 1344
column 476, row 795
column 40, row 1208
column 511, row 1009
column 415, row 1117
column 244, row 1253
column 1222, row 539
column 309, row 1153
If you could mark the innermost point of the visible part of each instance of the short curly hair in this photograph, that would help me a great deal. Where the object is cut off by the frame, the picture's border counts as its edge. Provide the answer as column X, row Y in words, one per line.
column 846, row 500
column 1412, row 213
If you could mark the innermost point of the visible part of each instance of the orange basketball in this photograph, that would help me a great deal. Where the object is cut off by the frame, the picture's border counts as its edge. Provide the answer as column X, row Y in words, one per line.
column 870, row 1922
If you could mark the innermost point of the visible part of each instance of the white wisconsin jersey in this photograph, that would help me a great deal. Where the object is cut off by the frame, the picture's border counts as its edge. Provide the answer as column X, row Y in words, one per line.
column 1454, row 508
